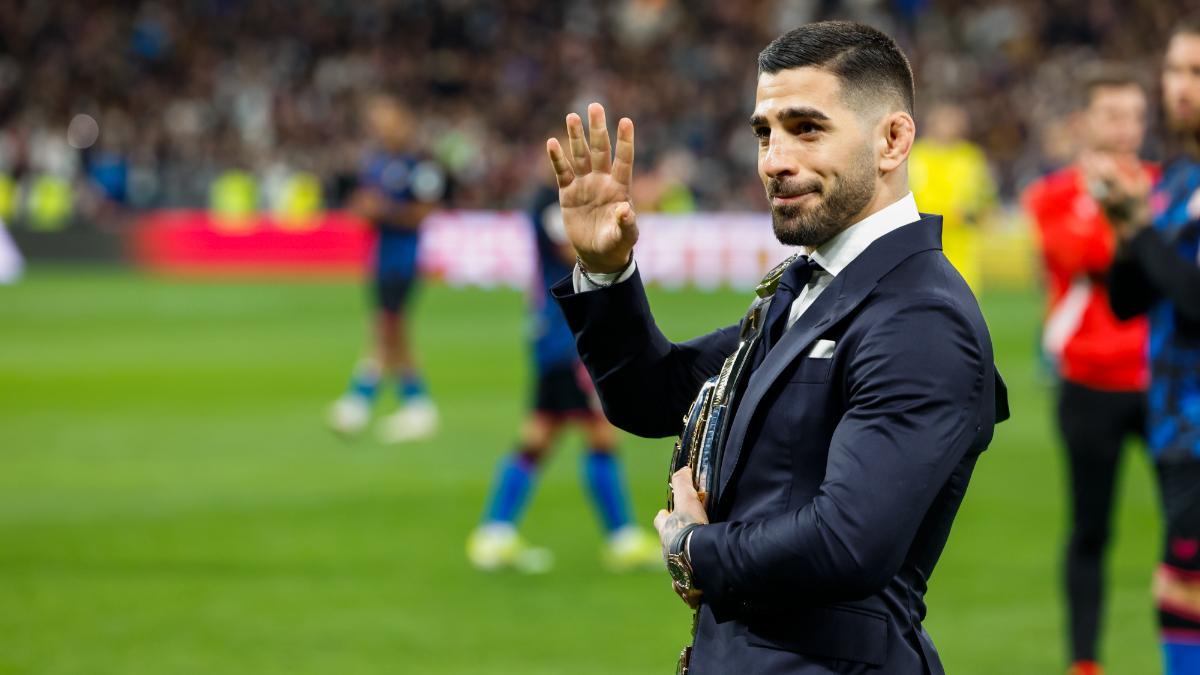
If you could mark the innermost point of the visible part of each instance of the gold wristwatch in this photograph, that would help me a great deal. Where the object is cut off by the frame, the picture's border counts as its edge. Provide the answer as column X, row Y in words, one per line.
column 679, row 564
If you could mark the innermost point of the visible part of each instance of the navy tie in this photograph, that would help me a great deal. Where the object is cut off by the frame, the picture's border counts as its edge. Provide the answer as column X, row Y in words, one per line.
column 794, row 279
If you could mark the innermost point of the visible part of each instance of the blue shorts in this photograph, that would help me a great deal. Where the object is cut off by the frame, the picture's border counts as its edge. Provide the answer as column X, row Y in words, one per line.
column 391, row 292
column 395, row 271
column 565, row 390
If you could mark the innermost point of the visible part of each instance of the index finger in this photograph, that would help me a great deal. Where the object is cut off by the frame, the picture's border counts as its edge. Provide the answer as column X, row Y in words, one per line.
column 622, row 168
column 562, row 168
column 659, row 518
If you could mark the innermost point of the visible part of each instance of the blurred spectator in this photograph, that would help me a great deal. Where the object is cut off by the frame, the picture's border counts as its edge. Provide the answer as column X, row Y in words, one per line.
column 183, row 92
column 949, row 175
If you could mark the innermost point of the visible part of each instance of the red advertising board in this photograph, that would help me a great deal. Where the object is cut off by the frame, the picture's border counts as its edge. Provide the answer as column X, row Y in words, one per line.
column 463, row 248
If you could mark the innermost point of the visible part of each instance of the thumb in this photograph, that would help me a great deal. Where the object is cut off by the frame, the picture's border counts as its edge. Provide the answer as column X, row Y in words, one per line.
column 626, row 218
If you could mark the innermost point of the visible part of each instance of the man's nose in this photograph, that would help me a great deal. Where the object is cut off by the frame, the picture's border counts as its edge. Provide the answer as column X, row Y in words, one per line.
column 777, row 161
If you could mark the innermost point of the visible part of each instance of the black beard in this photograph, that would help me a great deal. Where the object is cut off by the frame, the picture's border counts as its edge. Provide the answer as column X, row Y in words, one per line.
column 795, row 225
column 1187, row 131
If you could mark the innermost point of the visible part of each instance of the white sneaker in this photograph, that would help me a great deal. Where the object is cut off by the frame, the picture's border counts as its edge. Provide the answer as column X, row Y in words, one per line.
column 496, row 546
column 632, row 548
column 349, row 414
column 416, row 421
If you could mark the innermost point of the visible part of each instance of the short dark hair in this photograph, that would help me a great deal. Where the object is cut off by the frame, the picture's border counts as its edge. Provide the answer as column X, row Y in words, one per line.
column 865, row 59
column 1100, row 75
column 1188, row 25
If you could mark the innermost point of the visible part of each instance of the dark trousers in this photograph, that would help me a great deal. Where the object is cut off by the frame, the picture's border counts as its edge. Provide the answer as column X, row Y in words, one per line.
column 1094, row 425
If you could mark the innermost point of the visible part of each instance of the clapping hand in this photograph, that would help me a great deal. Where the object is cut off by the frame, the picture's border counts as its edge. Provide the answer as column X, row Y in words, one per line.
column 1122, row 186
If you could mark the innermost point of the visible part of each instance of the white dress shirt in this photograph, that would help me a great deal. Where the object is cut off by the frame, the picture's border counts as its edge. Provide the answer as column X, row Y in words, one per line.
column 833, row 256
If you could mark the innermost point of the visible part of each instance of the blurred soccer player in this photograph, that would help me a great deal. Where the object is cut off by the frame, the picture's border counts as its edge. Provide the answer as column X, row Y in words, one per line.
column 563, row 394
column 1101, row 359
column 397, row 190
column 949, row 175
column 1157, row 272
column 11, row 262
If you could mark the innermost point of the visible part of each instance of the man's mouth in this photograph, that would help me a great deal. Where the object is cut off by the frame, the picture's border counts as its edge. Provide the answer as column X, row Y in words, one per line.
column 785, row 198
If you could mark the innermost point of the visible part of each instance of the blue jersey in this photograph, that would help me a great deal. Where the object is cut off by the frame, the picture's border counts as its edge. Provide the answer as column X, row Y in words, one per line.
column 553, row 343
column 402, row 179
column 1174, row 396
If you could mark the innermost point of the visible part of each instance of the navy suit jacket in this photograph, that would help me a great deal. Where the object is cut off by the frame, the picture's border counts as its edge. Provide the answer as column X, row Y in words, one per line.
column 842, row 475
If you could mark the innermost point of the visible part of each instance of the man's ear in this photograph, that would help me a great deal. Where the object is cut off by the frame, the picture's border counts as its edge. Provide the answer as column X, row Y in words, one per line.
column 895, row 133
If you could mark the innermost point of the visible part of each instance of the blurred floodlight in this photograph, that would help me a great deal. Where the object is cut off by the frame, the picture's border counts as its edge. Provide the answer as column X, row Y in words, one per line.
column 83, row 131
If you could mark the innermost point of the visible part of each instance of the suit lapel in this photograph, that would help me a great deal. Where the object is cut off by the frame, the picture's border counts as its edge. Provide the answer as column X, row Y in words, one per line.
column 843, row 294
column 834, row 303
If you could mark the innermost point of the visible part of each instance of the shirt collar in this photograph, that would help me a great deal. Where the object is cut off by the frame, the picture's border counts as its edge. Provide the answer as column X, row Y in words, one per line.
column 834, row 255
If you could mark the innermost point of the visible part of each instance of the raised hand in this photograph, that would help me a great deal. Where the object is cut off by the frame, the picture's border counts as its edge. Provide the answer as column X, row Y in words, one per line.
column 593, row 191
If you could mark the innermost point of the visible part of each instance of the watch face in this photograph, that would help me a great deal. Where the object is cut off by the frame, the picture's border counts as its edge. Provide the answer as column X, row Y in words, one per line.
column 678, row 570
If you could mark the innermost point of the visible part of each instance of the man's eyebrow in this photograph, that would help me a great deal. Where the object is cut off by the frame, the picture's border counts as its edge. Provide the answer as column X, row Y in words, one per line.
column 789, row 114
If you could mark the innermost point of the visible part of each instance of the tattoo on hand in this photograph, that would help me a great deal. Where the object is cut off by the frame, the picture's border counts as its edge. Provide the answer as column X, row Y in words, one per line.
column 672, row 526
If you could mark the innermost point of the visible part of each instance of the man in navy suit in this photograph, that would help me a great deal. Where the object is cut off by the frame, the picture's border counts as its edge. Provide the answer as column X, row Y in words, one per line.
column 870, row 398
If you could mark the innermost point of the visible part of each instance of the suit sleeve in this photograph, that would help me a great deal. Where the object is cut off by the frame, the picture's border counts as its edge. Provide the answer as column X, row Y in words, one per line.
column 1149, row 269
column 915, row 386
column 646, row 383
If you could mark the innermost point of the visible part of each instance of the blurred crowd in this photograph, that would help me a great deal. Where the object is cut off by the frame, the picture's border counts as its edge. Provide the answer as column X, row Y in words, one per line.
column 146, row 104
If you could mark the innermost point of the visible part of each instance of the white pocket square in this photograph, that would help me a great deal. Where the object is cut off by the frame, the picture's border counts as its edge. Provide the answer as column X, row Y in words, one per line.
column 822, row 349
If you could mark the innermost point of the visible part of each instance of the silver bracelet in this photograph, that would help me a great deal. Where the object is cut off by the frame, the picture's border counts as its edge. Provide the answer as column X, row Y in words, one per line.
column 597, row 283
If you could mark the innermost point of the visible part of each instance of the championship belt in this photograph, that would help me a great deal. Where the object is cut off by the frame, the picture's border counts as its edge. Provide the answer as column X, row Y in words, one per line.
column 701, row 444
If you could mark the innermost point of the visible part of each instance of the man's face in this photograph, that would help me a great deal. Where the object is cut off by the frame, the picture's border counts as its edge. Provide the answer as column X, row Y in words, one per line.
column 1181, row 83
column 390, row 123
column 947, row 123
column 815, row 155
column 1115, row 119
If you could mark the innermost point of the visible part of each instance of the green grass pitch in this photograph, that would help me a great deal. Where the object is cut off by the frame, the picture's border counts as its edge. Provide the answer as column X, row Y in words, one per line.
column 170, row 501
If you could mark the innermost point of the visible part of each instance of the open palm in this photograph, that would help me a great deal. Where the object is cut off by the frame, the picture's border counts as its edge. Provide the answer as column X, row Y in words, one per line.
column 593, row 190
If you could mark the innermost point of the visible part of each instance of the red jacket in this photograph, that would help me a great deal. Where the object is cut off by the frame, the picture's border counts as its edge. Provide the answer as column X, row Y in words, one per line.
column 1092, row 347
